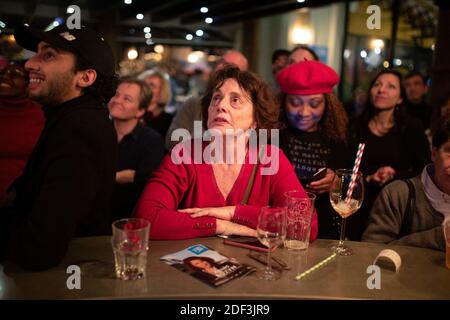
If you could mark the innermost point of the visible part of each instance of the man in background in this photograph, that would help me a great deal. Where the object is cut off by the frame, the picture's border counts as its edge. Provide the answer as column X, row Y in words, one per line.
column 280, row 59
column 302, row 53
column 416, row 91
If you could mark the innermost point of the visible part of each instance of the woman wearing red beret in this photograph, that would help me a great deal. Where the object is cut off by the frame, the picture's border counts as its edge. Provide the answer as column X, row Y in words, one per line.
column 315, row 136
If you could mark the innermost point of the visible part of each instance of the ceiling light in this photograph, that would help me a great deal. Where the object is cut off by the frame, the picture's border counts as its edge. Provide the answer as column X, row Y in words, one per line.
column 212, row 58
column 195, row 56
column 377, row 43
column 132, row 54
column 139, row 16
column 199, row 32
column 209, row 20
column 70, row 10
column 203, row 9
column 147, row 29
column 347, row 53
column 397, row 62
column 302, row 35
column 189, row 36
column 128, row 1
column 159, row 48
column 148, row 35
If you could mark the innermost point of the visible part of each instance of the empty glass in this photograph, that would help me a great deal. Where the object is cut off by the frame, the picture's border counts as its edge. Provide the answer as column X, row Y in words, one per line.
column 271, row 232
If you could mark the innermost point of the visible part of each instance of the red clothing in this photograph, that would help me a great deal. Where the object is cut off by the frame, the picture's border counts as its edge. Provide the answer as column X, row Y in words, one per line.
column 183, row 185
column 21, row 123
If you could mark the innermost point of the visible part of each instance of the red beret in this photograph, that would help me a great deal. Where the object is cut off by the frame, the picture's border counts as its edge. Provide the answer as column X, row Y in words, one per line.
column 307, row 77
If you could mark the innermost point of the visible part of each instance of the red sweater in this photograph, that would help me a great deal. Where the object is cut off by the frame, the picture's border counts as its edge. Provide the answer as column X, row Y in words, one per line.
column 194, row 186
column 21, row 123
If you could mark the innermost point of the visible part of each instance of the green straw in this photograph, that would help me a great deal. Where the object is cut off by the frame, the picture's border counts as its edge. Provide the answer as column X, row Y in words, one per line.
column 315, row 267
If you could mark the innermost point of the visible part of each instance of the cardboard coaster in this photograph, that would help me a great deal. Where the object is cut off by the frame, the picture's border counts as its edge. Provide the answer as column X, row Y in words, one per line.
column 388, row 259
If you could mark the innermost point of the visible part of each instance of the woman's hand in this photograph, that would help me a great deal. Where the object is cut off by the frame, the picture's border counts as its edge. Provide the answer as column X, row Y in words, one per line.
column 125, row 176
column 229, row 228
column 223, row 213
column 382, row 175
column 323, row 185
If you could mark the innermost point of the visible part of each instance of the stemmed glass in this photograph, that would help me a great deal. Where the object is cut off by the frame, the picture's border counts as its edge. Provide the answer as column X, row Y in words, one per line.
column 343, row 206
column 271, row 232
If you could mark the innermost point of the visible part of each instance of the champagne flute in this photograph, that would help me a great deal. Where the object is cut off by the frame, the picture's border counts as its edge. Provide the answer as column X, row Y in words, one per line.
column 271, row 232
column 343, row 206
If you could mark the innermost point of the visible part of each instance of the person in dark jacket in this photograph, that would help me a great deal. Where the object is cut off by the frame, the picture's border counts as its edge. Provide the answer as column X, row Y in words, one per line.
column 67, row 184
column 416, row 91
column 414, row 216
column 141, row 149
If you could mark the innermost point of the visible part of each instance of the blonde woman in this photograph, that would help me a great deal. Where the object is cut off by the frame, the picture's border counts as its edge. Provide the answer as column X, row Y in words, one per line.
column 156, row 117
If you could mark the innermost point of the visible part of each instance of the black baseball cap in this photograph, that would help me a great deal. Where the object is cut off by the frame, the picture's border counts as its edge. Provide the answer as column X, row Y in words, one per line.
column 84, row 42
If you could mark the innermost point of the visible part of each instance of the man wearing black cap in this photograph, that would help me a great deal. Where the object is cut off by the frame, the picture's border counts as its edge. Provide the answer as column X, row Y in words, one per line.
column 66, row 187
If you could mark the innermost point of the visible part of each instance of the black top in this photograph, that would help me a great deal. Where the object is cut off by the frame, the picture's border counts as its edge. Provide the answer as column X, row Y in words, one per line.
column 405, row 148
column 142, row 150
column 161, row 123
column 421, row 111
column 66, row 187
column 308, row 152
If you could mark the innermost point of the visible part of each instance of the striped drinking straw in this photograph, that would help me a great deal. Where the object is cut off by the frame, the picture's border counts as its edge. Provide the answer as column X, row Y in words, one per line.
column 354, row 173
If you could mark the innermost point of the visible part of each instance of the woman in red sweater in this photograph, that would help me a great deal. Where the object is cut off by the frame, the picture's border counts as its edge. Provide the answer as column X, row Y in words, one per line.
column 188, row 197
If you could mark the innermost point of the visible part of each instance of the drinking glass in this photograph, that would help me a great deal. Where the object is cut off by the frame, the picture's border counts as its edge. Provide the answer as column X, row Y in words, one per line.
column 130, row 246
column 271, row 232
column 345, row 207
column 300, row 211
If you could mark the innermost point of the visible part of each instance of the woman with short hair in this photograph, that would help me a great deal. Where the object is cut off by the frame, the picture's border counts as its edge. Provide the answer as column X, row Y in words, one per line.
column 189, row 197
column 140, row 149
